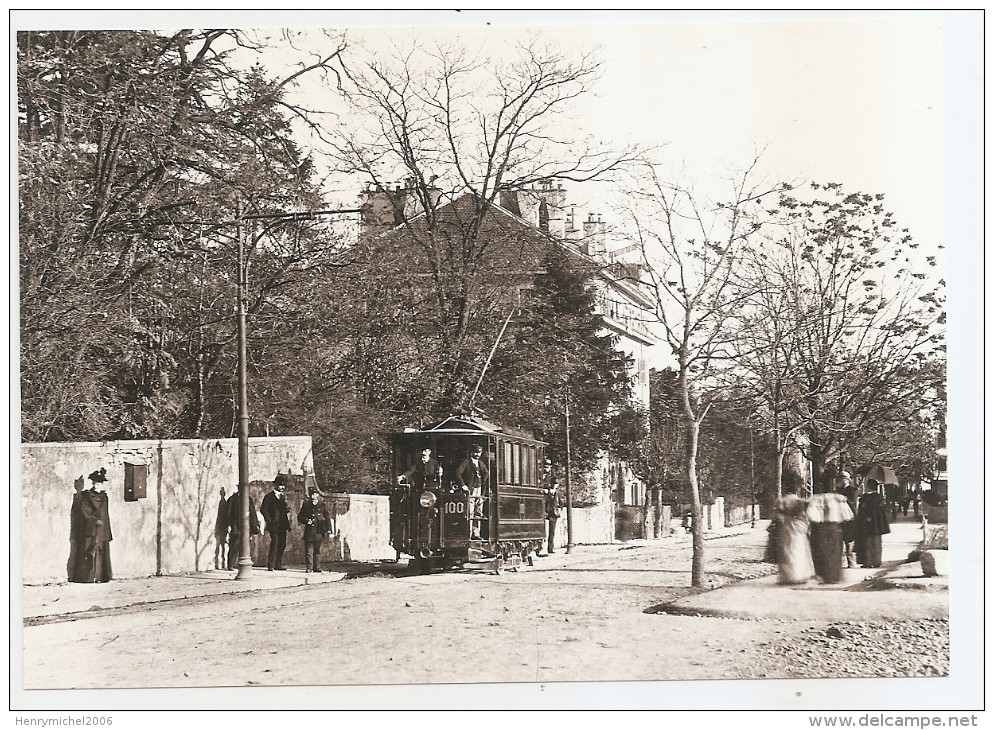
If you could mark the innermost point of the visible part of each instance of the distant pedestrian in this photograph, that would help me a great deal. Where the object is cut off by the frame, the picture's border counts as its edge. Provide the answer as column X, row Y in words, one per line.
column 553, row 506
column 93, row 533
column 75, row 530
column 276, row 513
column 313, row 515
column 827, row 511
column 871, row 524
column 917, row 504
column 844, row 487
column 793, row 547
column 234, row 505
column 220, row 532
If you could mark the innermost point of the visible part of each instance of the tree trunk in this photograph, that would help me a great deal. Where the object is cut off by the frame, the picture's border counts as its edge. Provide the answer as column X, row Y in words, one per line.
column 815, row 456
column 778, row 475
column 697, row 564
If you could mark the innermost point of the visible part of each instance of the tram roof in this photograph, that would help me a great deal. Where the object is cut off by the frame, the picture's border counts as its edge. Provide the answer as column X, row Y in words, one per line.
column 471, row 425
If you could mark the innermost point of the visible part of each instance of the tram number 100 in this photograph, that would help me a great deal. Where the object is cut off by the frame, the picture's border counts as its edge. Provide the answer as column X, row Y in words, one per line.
column 455, row 508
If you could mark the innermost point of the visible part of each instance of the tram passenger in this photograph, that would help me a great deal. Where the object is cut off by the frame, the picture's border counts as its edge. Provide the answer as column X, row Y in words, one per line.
column 473, row 475
column 424, row 473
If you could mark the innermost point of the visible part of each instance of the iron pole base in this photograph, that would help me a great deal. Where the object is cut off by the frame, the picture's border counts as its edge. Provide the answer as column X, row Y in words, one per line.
column 244, row 569
column 569, row 548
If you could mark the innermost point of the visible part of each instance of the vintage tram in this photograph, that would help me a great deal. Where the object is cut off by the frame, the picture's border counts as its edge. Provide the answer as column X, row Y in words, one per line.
column 441, row 521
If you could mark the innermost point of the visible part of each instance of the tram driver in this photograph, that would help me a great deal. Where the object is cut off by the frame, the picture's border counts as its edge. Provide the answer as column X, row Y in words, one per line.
column 424, row 473
column 473, row 475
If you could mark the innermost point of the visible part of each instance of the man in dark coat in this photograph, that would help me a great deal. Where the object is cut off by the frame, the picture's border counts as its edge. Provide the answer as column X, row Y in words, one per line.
column 313, row 515
column 871, row 524
column 553, row 506
column 423, row 474
column 235, row 526
column 220, row 531
column 276, row 513
column 93, row 533
column 473, row 475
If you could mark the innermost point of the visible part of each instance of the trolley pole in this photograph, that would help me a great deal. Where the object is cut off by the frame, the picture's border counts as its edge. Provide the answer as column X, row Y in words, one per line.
column 245, row 552
column 569, row 494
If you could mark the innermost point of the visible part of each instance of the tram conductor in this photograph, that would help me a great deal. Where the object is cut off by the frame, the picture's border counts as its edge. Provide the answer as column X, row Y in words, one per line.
column 473, row 475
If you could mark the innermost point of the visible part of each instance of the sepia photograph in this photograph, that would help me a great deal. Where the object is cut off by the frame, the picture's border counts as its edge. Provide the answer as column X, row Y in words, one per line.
column 497, row 360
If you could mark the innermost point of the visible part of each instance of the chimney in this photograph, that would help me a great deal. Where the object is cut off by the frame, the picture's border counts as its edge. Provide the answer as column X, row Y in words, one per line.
column 542, row 205
column 593, row 236
column 383, row 208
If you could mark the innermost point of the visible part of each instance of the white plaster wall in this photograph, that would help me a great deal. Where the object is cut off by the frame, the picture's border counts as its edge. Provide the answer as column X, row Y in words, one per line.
column 171, row 530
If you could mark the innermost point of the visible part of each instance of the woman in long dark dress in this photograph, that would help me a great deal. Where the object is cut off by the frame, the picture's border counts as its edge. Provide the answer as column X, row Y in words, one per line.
column 827, row 511
column 92, row 563
column 871, row 523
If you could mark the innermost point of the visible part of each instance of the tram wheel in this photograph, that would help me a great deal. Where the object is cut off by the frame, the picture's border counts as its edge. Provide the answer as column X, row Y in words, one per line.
column 422, row 566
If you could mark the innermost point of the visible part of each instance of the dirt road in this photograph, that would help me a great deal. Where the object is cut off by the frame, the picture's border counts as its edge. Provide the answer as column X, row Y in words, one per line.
column 588, row 617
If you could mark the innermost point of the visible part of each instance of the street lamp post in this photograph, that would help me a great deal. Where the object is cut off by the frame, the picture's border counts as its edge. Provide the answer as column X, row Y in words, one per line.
column 245, row 551
column 569, row 495
column 752, row 474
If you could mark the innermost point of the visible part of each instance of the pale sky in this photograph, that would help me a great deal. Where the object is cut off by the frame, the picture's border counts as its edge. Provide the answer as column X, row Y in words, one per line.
column 832, row 97
column 851, row 97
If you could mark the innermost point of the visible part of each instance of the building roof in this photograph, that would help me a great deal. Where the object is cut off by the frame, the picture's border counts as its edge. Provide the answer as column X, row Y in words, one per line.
column 623, row 288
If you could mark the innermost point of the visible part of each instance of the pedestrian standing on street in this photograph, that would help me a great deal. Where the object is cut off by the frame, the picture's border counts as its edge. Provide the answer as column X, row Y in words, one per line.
column 553, row 505
column 276, row 513
column 75, row 530
column 827, row 511
column 792, row 544
column 234, row 504
column 871, row 524
column 313, row 515
column 94, row 533
column 220, row 532
column 844, row 487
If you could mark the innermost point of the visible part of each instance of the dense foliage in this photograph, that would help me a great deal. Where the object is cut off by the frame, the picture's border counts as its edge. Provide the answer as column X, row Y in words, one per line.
column 145, row 157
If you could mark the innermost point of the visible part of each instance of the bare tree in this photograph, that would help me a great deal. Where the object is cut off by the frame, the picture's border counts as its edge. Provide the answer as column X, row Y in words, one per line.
column 456, row 126
column 690, row 250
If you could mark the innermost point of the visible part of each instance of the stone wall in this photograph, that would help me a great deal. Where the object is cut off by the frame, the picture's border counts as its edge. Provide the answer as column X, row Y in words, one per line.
column 361, row 523
column 741, row 515
column 171, row 529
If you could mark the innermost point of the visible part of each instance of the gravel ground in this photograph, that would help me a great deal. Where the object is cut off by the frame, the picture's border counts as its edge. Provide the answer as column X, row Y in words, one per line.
column 859, row 649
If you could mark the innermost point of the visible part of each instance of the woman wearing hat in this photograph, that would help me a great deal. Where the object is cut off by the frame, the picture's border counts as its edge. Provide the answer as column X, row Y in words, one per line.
column 92, row 527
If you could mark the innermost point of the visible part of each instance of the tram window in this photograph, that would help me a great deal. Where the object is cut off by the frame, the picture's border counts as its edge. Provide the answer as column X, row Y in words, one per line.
column 517, row 463
column 507, row 465
column 530, row 466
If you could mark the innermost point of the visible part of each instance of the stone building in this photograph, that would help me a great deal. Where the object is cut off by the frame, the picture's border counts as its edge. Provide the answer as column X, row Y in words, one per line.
column 525, row 217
